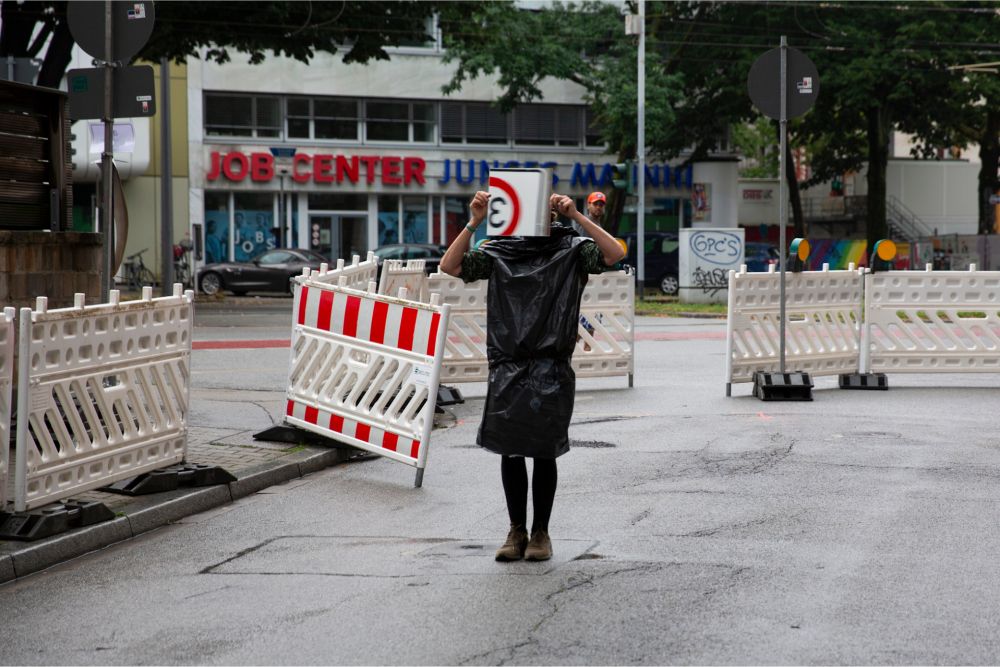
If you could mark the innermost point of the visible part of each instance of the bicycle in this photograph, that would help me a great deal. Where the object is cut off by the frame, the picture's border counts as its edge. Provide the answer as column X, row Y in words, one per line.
column 137, row 274
column 182, row 267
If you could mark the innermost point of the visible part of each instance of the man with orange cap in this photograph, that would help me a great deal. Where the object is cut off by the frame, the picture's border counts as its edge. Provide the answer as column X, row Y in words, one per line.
column 596, row 201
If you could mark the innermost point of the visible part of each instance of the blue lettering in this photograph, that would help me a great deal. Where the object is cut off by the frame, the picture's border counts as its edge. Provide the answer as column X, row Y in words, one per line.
column 447, row 172
column 552, row 166
column 653, row 177
column 458, row 172
column 484, row 172
column 512, row 164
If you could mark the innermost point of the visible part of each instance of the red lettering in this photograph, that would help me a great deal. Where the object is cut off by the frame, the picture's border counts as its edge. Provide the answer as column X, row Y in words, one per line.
column 390, row 171
column 370, row 162
column 213, row 173
column 300, row 176
column 261, row 166
column 349, row 169
column 413, row 170
column 227, row 166
column 322, row 166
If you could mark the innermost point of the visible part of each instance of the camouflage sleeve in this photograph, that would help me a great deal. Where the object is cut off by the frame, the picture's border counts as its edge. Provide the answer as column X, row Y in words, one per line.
column 476, row 265
column 593, row 260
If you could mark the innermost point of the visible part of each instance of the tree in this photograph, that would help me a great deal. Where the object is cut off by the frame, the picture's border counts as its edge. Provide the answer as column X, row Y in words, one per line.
column 364, row 29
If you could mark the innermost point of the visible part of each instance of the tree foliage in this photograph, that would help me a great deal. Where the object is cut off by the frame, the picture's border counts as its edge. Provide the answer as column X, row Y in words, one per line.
column 361, row 29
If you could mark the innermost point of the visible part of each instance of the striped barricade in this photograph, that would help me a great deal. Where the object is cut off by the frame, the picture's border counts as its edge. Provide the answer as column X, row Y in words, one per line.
column 364, row 369
column 102, row 393
column 6, row 382
column 823, row 322
column 605, row 335
column 932, row 321
column 411, row 275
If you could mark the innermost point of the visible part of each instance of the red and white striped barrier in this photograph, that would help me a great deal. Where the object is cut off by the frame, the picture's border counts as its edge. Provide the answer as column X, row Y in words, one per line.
column 365, row 368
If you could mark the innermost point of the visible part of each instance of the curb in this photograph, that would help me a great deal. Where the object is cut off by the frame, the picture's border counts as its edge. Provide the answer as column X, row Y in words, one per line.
column 147, row 513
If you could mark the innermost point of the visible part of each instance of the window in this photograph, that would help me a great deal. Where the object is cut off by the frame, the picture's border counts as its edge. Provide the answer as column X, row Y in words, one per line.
column 592, row 135
column 400, row 121
column 242, row 115
column 472, row 123
column 323, row 119
column 276, row 257
column 548, row 125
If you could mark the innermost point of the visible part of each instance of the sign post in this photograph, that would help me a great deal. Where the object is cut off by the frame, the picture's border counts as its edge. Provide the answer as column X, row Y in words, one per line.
column 768, row 84
column 113, row 33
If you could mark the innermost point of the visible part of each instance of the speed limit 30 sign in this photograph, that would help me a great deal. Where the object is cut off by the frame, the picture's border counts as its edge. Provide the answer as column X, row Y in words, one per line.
column 519, row 202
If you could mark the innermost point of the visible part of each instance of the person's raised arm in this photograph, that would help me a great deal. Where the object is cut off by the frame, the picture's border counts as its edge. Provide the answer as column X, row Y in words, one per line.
column 451, row 263
column 611, row 250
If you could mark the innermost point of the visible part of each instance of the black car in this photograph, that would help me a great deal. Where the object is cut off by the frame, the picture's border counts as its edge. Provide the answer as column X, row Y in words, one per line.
column 429, row 252
column 758, row 256
column 270, row 271
column 660, row 267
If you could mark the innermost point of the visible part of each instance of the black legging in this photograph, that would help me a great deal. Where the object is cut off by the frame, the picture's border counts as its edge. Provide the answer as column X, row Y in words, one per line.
column 514, row 473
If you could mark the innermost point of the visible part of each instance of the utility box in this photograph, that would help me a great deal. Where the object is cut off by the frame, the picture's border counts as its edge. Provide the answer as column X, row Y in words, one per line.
column 705, row 259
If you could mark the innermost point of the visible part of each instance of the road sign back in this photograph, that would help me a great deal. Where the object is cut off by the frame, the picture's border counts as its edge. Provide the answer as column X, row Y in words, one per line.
column 764, row 83
column 131, row 26
column 519, row 202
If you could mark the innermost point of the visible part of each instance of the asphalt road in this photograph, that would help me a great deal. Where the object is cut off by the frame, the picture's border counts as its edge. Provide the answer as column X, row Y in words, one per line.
column 689, row 528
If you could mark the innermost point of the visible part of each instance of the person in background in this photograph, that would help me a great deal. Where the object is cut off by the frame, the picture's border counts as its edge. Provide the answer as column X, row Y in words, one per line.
column 532, row 311
column 596, row 203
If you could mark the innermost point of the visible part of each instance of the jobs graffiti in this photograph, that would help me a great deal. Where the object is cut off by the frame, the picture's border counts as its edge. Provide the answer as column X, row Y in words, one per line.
column 710, row 281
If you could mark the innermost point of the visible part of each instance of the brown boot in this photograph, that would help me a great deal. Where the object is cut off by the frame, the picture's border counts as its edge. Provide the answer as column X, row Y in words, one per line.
column 513, row 548
column 540, row 546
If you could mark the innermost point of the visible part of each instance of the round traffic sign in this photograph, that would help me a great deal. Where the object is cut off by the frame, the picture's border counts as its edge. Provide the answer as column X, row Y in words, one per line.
column 505, row 209
column 131, row 26
column 764, row 83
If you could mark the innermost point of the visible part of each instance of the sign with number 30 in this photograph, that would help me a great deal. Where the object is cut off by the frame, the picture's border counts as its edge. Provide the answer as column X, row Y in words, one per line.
column 519, row 202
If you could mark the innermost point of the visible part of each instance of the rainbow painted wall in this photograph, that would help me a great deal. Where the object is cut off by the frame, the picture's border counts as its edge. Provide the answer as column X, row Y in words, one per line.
column 838, row 254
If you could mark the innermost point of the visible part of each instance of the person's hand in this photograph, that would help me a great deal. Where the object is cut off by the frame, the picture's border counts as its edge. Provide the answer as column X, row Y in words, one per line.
column 478, row 207
column 563, row 205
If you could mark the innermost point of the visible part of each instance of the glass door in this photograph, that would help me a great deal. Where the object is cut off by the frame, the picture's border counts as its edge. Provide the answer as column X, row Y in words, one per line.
column 338, row 235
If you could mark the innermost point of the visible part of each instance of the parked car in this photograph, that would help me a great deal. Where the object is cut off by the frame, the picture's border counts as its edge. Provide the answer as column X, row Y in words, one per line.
column 660, row 262
column 758, row 256
column 270, row 271
column 429, row 252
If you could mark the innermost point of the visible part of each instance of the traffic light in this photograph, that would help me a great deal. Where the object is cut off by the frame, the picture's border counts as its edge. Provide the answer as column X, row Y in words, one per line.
column 621, row 176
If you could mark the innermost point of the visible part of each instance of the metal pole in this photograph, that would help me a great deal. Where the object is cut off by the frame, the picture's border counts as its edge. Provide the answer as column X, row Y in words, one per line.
column 166, row 185
column 782, row 212
column 641, row 153
column 107, row 154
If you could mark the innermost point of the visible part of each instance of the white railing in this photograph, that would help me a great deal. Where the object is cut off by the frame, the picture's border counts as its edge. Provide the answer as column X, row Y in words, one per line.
column 103, row 393
column 6, row 384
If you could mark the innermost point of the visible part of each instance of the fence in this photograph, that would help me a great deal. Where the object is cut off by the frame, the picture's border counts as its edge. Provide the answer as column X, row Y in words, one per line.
column 822, row 322
column 102, row 394
column 6, row 384
column 912, row 322
column 364, row 368
column 357, row 274
column 397, row 274
column 932, row 322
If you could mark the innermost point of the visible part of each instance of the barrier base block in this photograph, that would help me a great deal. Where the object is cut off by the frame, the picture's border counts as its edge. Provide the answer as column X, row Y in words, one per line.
column 864, row 381
column 297, row 436
column 52, row 519
column 170, row 478
column 795, row 386
column 449, row 395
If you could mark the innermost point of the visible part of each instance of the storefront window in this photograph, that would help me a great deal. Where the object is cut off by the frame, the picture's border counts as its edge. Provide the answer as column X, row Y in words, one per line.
column 388, row 220
column 253, row 224
column 414, row 219
column 456, row 213
column 387, row 121
column 216, row 227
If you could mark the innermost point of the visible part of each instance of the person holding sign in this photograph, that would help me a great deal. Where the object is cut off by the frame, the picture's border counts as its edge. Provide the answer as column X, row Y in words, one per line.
column 533, row 307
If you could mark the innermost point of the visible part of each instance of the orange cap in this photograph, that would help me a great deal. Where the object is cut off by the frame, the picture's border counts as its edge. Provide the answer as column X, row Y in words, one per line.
column 596, row 196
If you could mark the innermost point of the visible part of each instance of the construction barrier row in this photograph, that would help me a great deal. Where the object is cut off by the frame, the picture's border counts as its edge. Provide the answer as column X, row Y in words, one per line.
column 364, row 366
column 862, row 322
column 6, row 385
column 102, row 393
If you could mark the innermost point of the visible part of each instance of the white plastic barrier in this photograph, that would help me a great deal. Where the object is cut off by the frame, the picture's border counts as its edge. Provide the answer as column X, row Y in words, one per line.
column 364, row 369
column 411, row 275
column 932, row 321
column 103, row 393
column 6, row 382
column 607, row 306
column 823, row 320
column 357, row 274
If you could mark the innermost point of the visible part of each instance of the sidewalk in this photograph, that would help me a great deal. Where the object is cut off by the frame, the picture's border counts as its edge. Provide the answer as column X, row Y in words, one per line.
column 256, row 465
